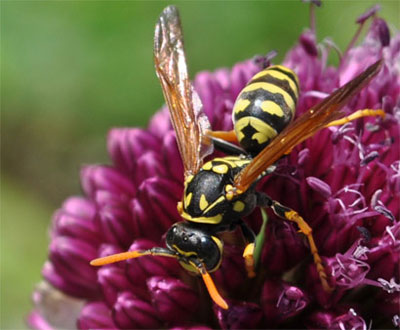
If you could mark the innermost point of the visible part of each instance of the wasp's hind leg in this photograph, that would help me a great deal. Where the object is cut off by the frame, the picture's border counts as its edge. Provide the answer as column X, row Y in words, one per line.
column 248, row 253
column 227, row 147
column 356, row 115
column 229, row 136
column 291, row 215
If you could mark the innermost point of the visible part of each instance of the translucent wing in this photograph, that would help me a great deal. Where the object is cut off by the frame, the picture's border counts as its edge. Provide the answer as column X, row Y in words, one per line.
column 304, row 127
column 188, row 120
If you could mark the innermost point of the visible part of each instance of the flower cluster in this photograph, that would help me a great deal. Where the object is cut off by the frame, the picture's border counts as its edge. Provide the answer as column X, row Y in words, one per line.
column 345, row 181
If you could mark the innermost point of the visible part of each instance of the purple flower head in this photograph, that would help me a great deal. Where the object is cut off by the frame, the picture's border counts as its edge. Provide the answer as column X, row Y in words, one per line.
column 344, row 181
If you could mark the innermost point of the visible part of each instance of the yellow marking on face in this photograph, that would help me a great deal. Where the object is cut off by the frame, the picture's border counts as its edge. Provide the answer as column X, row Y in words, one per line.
column 272, row 108
column 264, row 131
column 184, row 253
column 203, row 202
column 287, row 70
column 220, row 169
column 187, row 199
column 282, row 76
column 213, row 220
column 238, row 206
column 207, row 166
column 272, row 89
column 241, row 104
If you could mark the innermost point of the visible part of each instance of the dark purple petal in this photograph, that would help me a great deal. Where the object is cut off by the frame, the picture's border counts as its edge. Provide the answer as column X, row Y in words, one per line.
column 281, row 301
column 126, row 145
column 113, row 280
column 96, row 315
column 97, row 177
column 307, row 40
column 160, row 124
column 388, row 304
column 174, row 300
column 171, row 157
column 115, row 219
column 148, row 165
column 240, row 315
column 349, row 320
column 382, row 31
column 154, row 208
column 129, row 312
column 371, row 11
column 77, row 219
column 320, row 320
column 319, row 186
column 283, row 247
column 231, row 274
column 70, row 257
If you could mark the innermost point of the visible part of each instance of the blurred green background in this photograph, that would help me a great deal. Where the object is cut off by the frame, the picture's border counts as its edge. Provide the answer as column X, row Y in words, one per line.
column 71, row 70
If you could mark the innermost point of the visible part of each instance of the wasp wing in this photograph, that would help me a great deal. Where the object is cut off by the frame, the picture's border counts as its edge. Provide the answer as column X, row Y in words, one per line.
column 185, row 108
column 304, row 127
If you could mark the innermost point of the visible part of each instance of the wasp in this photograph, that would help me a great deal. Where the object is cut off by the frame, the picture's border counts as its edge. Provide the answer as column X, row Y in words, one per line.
column 220, row 192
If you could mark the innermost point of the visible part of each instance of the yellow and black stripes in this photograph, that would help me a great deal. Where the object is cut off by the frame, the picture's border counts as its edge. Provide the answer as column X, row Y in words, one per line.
column 265, row 107
column 204, row 199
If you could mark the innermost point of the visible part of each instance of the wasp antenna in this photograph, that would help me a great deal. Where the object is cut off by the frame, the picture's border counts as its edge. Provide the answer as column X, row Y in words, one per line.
column 118, row 257
column 212, row 290
column 155, row 251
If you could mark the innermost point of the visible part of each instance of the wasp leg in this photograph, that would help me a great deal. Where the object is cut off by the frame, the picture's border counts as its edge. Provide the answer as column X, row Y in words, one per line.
column 248, row 253
column 229, row 136
column 356, row 115
column 291, row 215
column 227, row 147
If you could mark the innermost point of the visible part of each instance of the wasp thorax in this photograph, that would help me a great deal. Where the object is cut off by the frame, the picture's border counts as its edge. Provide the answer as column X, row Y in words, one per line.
column 194, row 242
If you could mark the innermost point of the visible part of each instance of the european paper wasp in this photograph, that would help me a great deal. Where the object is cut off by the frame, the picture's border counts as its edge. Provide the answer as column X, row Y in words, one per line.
column 220, row 192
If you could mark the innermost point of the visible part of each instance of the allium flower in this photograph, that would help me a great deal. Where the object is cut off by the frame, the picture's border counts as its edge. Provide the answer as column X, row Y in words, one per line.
column 345, row 181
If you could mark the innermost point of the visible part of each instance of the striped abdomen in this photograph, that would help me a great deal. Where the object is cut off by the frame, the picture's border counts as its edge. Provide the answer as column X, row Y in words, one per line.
column 265, row 107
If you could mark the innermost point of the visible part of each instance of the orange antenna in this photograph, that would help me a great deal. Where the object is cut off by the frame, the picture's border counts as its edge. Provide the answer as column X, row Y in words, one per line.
column 212, row 290
column 157, row 251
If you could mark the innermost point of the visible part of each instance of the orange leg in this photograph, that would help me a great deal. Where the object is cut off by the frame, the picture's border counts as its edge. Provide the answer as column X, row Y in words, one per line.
column 356, row 115
column 229, row 136
column 291, row 215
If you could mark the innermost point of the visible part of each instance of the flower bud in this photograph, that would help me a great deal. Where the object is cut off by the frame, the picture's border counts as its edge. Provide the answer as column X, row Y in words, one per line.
column 96, row 315
column 113, row 279
column 126, row 145
column 281, row 301
column 130, row 312
column 174, row 300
